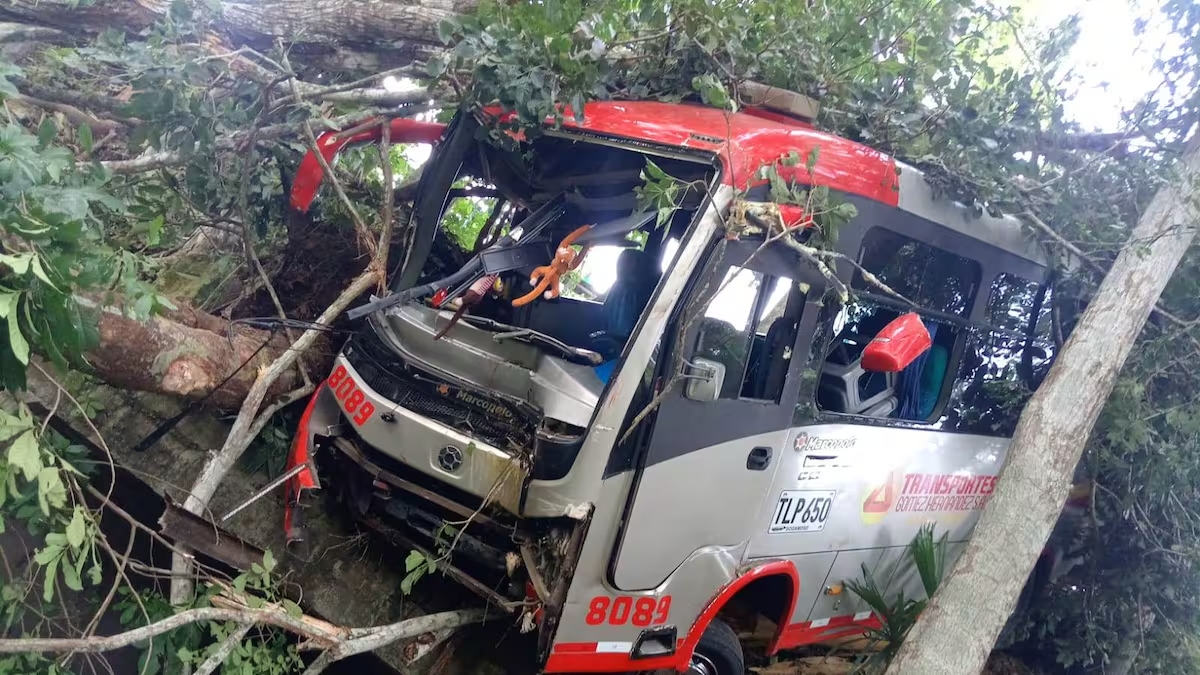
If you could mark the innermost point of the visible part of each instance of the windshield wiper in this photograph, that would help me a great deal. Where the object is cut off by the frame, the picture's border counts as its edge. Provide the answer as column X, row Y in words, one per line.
column 510, row 332
column 533, row 336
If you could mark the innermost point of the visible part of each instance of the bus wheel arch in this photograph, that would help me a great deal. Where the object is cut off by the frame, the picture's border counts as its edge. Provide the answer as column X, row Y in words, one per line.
column 770, row 589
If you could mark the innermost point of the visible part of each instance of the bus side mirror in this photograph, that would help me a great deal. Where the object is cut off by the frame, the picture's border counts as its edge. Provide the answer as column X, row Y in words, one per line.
column 897, row 345
column 704, row 380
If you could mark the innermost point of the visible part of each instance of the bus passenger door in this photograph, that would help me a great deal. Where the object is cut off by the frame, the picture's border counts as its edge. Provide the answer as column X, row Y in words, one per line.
column 715, row 444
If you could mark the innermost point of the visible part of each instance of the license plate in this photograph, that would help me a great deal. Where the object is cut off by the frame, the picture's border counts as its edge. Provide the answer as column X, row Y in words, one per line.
column 801, row 511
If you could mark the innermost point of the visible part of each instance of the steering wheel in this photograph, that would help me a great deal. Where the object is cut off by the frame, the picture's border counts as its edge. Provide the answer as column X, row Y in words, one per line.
column 546, row 279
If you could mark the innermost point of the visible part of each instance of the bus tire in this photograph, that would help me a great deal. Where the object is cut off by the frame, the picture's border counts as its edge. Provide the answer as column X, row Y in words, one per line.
column 718, row 652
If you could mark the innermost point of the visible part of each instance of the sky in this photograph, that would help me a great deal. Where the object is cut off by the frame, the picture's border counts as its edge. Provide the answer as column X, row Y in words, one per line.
column 1111, row 60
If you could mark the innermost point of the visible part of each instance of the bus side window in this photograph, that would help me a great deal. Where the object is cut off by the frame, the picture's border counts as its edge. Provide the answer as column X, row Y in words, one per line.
column 931, row 278
column 1002, row 369
column 749, row 326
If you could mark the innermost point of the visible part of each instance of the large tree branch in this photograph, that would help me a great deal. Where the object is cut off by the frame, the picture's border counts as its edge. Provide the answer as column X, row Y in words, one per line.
column 75, row 115
column 326, row 35
column 337, row 641
column 187, row 353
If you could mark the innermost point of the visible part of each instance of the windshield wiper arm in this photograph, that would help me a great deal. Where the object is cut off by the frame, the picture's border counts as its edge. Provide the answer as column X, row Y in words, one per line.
column 518, row 333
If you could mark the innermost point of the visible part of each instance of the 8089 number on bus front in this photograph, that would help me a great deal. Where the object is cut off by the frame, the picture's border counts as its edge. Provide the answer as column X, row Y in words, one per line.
column 801, row 511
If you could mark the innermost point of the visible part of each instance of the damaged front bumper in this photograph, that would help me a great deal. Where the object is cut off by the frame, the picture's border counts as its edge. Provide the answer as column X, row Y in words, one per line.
column 348, row 411
column 306, row 480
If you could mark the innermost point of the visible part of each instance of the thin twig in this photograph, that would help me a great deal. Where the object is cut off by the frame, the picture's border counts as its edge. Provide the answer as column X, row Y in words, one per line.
column 247, row 237
column 385, row 215
column 217, row 658
column 374, row 638
column 83, row 413
column 337, row 641
column 112, row 592
column 1074, row 250
column 53, row 411
column 360, row 227
column 269, row 411
column 410, row 70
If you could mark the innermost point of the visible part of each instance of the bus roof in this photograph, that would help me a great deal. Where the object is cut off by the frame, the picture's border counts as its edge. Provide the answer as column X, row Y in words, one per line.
column 747, row 140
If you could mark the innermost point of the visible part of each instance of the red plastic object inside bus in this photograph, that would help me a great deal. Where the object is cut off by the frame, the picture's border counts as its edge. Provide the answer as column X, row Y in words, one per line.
column 310, row 174
column 897, row 345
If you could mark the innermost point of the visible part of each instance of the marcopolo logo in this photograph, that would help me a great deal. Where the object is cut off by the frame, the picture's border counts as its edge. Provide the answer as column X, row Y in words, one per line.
column 807, row 443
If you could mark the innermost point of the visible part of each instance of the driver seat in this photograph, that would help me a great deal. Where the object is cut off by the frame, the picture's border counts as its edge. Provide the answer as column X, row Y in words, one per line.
column 626, row 300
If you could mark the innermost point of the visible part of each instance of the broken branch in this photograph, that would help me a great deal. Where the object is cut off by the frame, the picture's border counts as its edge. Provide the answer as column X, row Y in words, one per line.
column 231, row 641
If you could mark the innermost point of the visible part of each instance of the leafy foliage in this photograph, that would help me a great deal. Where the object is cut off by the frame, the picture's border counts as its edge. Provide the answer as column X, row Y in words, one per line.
column 181, row 650
column 896, row 613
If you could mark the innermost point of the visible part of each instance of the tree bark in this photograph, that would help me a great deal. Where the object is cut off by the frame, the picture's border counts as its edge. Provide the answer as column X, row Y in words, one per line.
column 330, row 35
column 187, row 353
column 956, row 632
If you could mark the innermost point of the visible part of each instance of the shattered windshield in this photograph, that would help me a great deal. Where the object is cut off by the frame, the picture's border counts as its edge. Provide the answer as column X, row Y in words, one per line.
column 582, row 303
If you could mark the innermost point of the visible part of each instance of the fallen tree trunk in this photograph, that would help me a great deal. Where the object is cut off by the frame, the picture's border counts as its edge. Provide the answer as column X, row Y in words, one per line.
column 330, row 35
column 188, row 353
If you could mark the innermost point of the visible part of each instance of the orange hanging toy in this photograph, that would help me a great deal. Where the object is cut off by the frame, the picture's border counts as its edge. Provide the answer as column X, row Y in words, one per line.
column 546, row 278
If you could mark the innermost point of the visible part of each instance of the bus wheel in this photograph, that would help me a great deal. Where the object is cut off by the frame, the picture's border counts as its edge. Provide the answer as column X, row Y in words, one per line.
column 718, row 652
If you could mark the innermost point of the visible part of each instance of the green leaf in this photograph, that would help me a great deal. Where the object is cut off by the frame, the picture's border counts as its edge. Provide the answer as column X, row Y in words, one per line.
column 17, row 341
column 51, row 573
column 25, row 455
column 154, row 230
column 143, row 306
column 47, row 130
column 813, row 156
column 293, row 610
column 414, row 560
column 406, row 584
column 47, row 554
column 268, row 563
column 52, row 494
column 77, row 528
column 40, row 273
column 446, row 30
column 71, row 577
column 8, row 70
column 85, row 137
column 655, row 171
column 18, row 263
column 11, row 426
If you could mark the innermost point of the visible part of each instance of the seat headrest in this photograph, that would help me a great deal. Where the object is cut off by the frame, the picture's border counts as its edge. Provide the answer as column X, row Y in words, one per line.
column 633, row 264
